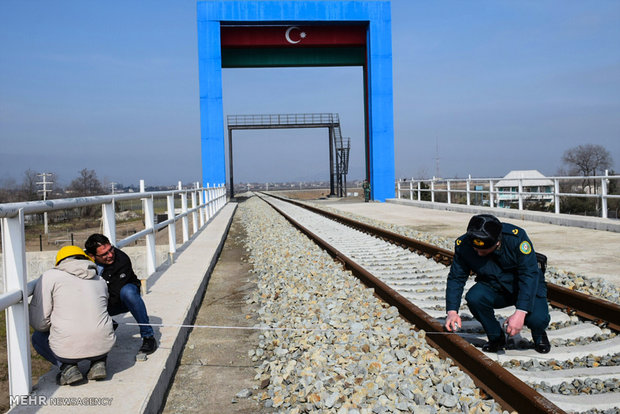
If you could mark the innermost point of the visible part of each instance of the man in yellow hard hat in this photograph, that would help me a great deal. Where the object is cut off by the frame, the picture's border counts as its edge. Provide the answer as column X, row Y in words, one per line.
column 69, row 313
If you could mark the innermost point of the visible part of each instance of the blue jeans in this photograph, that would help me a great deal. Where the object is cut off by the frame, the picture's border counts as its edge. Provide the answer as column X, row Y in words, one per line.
column 482, row 300
column 131, row 301
column 41, row 343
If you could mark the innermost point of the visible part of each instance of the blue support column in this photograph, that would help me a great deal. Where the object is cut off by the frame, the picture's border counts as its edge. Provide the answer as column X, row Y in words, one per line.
column 380, row 105
column 211, row 109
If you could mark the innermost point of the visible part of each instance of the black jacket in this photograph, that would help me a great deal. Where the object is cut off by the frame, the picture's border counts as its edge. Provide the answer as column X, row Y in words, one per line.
column 511, row 268
column 117, row 275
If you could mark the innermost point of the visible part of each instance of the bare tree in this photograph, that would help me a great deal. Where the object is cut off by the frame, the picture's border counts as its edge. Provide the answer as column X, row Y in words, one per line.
column 587, row 160
column 9, row 190
column 29, row 185
column 86, row 184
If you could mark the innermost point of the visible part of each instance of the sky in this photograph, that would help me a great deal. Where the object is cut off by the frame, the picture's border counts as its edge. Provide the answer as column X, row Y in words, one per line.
column 480, row 88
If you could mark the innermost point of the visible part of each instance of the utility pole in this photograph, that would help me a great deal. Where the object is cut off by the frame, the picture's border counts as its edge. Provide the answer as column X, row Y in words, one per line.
column 437, row 157
column 45, row 190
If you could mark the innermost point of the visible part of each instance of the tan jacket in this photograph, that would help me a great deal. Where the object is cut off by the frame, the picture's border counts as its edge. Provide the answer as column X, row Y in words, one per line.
column 70, row 301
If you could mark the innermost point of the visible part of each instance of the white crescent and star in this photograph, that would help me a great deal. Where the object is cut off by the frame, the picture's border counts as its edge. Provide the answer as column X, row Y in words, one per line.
column 287, row 35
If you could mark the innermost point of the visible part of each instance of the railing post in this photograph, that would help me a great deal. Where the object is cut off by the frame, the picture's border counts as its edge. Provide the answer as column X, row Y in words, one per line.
column 520, row 193
column 419, row 190
column 149, row 223
column 109, row 221
column 411, row 189
column 220, row 201
column 448, row 191
column 208, row 198
column 185, row 219
column 194, row 213
column 201, row 201
column 491, row 201
column 172, row 229
column 398, row 189
column 218, row 195
column 468, row 189
column 604, row 195
column 556, row 195
column 433, row 190
column 17, row 324
column 222, row 196
column 218, row 198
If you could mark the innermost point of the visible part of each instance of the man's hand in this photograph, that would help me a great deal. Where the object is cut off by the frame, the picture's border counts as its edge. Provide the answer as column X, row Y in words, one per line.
column 514, row 323
column 453, row 321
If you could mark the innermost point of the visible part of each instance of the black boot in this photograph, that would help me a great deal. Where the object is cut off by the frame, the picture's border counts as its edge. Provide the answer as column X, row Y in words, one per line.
column 149, row 345
column 495, row 345
column 541, row 343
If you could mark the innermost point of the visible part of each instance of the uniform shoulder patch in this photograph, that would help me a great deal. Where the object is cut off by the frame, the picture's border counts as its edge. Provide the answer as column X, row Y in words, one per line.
column 525, row 247
column 458, row 242
column 515, row 231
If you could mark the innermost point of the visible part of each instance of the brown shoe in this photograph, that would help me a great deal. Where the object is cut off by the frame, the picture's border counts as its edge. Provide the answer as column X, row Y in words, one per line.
column 97, row 371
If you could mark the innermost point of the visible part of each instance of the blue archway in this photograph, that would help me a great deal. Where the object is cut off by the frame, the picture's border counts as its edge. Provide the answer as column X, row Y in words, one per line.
column 298, row 33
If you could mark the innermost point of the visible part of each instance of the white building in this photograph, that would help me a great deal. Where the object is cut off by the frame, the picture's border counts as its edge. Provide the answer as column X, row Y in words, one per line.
column 531, row 180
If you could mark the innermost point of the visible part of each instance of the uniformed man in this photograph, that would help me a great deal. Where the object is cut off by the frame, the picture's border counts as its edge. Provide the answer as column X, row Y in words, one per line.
column 366, row 187
column 507, row 273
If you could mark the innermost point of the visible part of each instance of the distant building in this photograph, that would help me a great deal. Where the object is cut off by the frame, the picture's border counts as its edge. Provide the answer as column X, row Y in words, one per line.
column 532, row 181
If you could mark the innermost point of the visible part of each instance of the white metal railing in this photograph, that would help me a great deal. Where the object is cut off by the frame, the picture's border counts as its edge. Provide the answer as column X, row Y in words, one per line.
column 206, row 202
column 520, row 196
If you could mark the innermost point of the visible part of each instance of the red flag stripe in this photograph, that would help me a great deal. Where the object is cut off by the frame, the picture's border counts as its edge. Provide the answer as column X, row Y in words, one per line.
column 292, row 36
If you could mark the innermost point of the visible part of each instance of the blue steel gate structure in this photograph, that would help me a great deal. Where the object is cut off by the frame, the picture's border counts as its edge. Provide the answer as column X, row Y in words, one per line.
column 299, row 33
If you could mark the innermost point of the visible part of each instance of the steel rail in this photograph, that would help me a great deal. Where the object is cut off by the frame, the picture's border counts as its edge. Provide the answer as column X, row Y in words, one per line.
column 600, row 311
column 496, row 381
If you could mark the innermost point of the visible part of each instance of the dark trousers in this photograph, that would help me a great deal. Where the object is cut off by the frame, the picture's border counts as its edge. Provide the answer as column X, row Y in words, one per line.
column 483, row 299
column 41, row 343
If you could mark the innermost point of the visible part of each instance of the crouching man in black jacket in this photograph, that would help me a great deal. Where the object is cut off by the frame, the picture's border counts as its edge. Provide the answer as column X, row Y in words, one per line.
column 507, row 273
column 114, row 266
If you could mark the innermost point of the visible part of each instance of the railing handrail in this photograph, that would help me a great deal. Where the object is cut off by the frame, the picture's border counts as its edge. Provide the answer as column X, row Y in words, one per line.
column 206, row 202
column 486, row 179
column 516, row 190
column 35, row 207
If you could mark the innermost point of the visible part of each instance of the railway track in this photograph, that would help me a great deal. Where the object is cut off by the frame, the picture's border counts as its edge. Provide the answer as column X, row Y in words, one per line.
column 579, row 375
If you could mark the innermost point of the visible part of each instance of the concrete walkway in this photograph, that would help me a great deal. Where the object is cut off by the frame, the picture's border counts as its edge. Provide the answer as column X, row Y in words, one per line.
column 172, row 299
column 593, row 253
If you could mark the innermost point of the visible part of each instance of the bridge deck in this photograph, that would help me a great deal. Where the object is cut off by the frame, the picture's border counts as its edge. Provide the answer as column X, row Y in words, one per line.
column 172, row 299
column 174, row 294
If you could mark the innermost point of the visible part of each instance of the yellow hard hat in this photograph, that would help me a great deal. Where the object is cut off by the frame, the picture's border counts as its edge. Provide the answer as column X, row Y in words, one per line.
column 69, row 251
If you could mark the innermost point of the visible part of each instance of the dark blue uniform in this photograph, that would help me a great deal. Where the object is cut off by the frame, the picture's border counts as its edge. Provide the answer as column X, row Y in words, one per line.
column 507, row 276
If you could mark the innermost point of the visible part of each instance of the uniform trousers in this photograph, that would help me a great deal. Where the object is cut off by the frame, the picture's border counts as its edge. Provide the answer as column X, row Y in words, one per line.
column 482, row 299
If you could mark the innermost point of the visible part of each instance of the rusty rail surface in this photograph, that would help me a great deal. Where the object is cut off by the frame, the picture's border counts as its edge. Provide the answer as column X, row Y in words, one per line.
column 497, row 382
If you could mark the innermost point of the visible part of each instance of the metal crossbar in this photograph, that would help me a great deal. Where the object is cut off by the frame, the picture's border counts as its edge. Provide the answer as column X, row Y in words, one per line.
column 282, row 119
